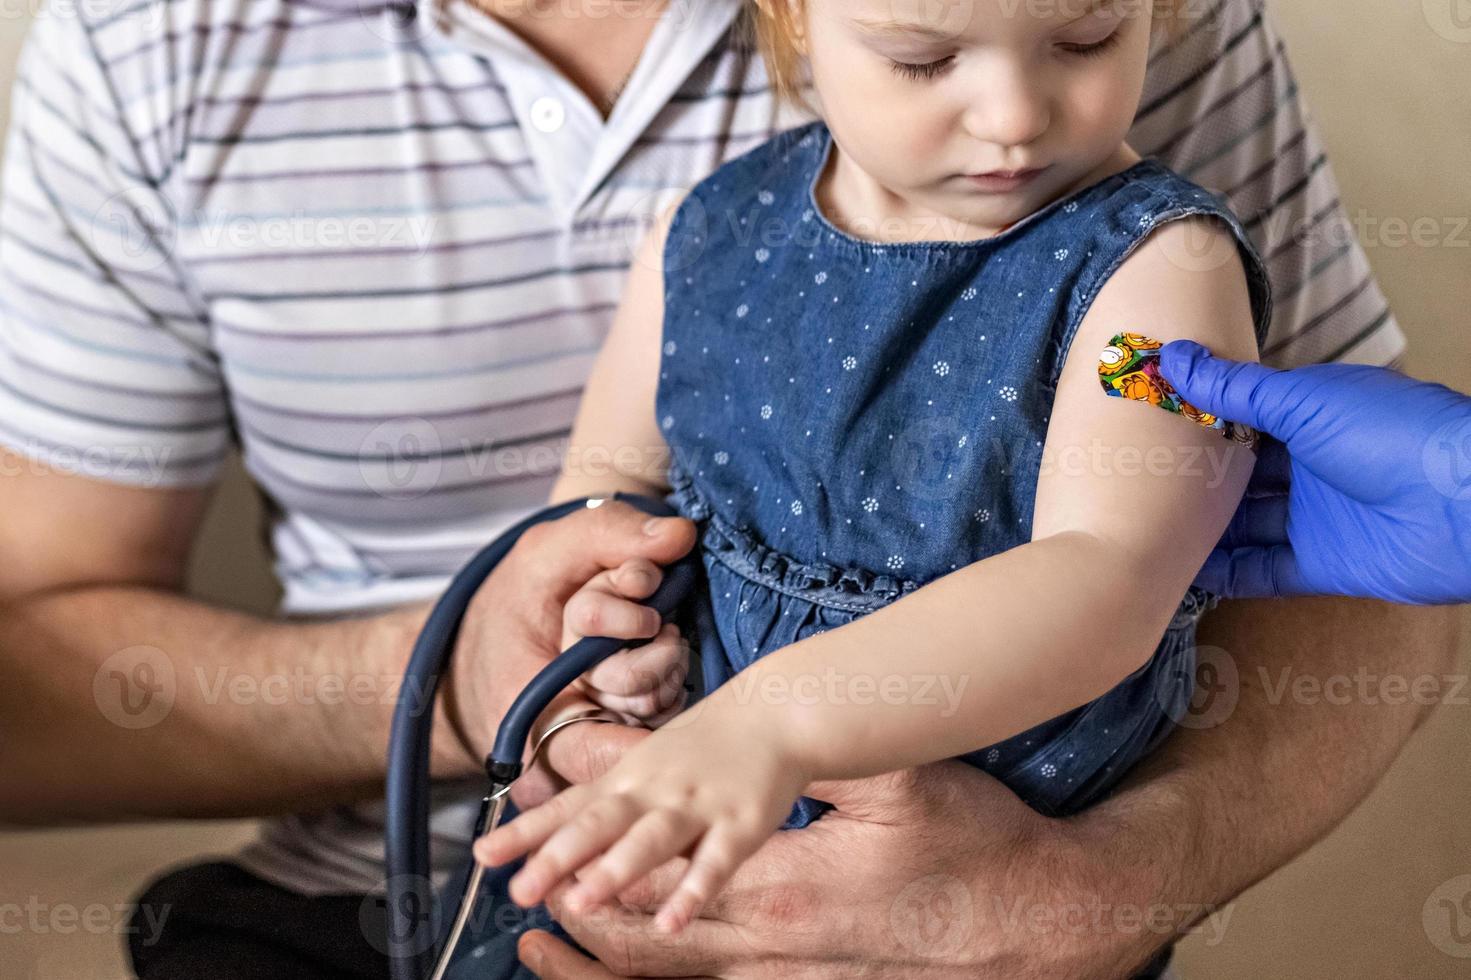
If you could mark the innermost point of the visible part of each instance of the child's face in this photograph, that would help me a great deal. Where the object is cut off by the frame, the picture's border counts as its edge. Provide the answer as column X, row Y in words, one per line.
column 998, row 85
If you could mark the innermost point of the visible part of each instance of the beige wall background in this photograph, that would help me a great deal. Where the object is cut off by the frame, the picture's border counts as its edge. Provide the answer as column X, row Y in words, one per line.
column 1389, row 85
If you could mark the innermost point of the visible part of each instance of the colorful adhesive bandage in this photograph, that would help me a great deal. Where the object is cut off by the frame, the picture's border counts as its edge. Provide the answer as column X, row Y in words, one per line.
column 1129, row 368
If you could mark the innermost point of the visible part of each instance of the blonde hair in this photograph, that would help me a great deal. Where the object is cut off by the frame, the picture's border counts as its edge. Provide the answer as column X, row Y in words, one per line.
column 776, row 26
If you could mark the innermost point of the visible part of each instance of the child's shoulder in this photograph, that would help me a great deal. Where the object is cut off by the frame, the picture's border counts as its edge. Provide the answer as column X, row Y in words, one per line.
column 1154, row 194
column 1151, row 217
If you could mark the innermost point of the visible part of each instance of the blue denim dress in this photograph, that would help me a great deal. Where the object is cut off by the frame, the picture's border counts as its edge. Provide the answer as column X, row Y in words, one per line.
column 850, row 420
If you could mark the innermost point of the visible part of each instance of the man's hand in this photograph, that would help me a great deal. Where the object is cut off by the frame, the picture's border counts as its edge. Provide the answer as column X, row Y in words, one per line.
column 957, row 878
column 514, row 626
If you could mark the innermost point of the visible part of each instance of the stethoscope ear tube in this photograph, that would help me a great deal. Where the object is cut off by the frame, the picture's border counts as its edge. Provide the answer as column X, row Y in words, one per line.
column 412, row 925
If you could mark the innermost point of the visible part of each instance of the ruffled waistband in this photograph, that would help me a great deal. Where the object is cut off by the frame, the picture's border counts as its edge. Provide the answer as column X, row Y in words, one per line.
column 852, row 589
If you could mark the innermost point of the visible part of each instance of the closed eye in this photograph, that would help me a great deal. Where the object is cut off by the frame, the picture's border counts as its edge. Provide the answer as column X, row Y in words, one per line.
column 1091, row 50
column 924, row 71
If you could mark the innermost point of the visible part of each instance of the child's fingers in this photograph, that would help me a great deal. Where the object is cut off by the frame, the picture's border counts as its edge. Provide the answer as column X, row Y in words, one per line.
column 671, row 690
column 714, row 862
column 637, row 578
column 598, row 610
column 658, row 836
column 644, row 669
column 591, row 832
column 674, row 709
column 530, row 828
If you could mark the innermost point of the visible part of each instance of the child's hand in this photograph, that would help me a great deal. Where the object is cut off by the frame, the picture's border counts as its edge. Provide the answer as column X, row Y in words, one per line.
column 699, row 786
column 644, row 684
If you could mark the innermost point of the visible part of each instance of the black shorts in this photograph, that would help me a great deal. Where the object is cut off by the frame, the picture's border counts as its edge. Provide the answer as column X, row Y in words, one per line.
column 218, row 921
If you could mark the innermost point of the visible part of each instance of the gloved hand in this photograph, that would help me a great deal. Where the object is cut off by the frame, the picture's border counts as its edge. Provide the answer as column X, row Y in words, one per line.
column 1364, row 488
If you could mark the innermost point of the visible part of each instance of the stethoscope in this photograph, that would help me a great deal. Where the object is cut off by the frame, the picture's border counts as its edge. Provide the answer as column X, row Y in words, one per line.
column 411, row 924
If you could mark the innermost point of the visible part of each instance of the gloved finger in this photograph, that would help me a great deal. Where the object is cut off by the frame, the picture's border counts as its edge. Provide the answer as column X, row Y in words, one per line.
column 596, row 610
column 1253, row 573
column 644, row 669
column 1239, row 391
column 1260, row 522
column 1273, row 472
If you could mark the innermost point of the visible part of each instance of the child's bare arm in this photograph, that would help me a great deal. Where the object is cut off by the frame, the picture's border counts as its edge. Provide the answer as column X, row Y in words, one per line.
column 616, row 446
column 1022, row 636
column 615, row 443
column 1130, row 501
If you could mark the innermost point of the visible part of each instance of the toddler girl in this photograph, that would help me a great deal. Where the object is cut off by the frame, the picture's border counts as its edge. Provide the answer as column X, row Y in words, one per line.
column 873, row 348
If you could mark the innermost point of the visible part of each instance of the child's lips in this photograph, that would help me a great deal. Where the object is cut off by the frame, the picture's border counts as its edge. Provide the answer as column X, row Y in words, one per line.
column 1003, row 180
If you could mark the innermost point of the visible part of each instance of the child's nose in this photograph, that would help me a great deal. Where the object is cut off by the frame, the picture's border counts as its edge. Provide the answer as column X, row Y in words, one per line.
column 1008, row 112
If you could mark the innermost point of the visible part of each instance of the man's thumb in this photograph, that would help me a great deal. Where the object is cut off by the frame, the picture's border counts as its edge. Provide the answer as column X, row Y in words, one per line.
column 1238, row 391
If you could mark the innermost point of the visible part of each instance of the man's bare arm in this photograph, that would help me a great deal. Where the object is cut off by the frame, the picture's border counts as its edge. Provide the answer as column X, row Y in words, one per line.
column 1212, row 812
column 94, row 569
column 266, row 716
column 1223, row 805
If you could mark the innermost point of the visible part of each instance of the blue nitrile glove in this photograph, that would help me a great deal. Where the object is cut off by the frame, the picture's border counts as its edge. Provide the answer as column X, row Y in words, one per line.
column 1364, row 489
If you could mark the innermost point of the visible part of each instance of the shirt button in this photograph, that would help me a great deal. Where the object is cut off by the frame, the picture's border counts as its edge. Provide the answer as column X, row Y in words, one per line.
column 547, row 114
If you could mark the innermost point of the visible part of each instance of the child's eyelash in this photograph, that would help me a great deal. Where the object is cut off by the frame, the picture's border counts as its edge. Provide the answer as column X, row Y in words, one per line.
column 933, row 68
column 929, row 70
column 1091, row 50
